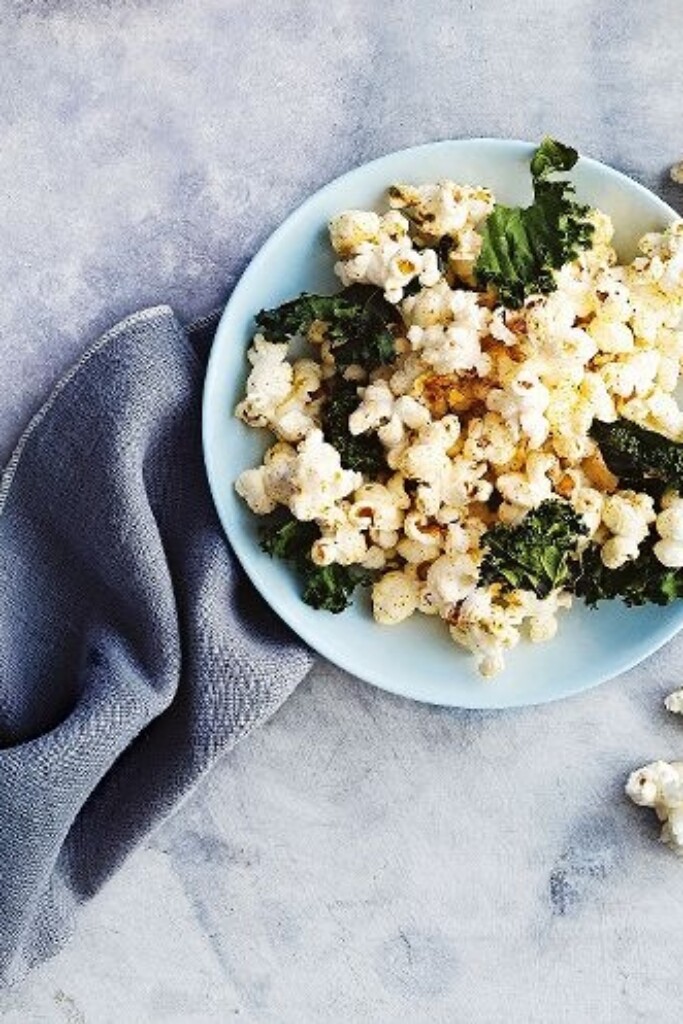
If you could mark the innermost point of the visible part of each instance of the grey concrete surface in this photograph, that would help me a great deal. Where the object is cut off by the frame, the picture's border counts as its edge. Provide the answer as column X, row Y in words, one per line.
column 362, row 858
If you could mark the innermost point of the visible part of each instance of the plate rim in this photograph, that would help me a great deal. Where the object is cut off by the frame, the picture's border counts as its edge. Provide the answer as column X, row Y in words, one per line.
column 284, row 609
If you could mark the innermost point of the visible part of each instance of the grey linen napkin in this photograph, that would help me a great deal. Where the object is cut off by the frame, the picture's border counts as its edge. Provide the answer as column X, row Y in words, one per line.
column 133, row 651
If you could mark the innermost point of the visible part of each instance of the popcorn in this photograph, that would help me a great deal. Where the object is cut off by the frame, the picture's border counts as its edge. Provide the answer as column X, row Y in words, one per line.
column 298, row 413
column 375, row 558
column 403, row 379
column 430, row 307
column 561, row 349
column 251, row 485
column 498, row 327
column 664, row 414
column 416, row 552
column 483, row 414
column 485, row 628
column 540, row 614
column 376, row 507
column 530, row 488
column 268, row 383
column 279, row 394
column 454, row 343
column 674, row 702
column 492, row 439
column 376, row 408
column 589, row 502
column 631, row 375
column 595, row 402
column 613, row 296
column 627, row 515
column 444, row 209
column 611, row 336
column 669, row 526
column 467, row 484
column 523, row 401
column 381, row 252
column 603, row 232
column 341, row 542
column 418, row 527
column 570, row 412
column 668, row 372
column 352, row 230
column 427, row 462
column 394, row 597
column 660, row 785
column 315, row 479
column 450, row 579
column 389, row 416
column 665, row 254
column 269, row 485
column 464, row 536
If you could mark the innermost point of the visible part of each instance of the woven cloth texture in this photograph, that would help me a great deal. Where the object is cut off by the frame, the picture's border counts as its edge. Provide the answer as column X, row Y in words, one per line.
column 133, row 650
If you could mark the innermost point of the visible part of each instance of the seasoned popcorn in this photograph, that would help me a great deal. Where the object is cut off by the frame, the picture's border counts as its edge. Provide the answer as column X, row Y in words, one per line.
column 660, row 785
column 484, row 414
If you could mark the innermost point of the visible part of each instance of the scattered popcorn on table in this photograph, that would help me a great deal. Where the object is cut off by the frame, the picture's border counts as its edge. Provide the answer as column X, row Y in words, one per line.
column 476, row 413
column 674, row 702
column 660, row 785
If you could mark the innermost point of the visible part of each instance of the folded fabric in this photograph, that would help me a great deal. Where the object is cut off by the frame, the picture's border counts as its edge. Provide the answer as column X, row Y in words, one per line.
column 133, row 651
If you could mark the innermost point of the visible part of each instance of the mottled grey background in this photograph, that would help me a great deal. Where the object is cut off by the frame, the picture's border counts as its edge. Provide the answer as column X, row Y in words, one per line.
column 362, row 859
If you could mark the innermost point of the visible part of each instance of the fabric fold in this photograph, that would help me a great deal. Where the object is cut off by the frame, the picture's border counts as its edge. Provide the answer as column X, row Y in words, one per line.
column 133, row 651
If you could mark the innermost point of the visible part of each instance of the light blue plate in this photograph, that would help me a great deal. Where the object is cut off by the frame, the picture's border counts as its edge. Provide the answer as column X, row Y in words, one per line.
column 416, row 659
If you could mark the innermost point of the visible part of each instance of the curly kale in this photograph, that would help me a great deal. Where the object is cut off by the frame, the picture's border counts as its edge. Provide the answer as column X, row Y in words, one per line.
column 328, row 587
column 538, row 554
column 332, row 586
column 550, row 157
column 640, row 455
column 522, row 246
column 283, row 536
column 643, row 580
column 358, row 323
column 541, row 553
column 363, row 452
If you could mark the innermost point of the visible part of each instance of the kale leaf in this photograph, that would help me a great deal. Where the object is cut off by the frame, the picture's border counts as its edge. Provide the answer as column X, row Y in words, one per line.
column 643, row 580
column 537, row 553
column 522, row 246
column 541, row 554
column 283, row 536
column 358, row 323
column 363, row 452
column 330, row 587
column 298, row 315
column 634, row 452
column 552, row 156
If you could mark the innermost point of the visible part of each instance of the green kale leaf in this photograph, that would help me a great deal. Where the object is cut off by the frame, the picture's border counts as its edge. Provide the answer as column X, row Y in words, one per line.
column 329, row 587
column 638, row 454
column 358, row 323
column 643, row 580
column 552, row 156
column 283, row 536
column 363, row 452
column 538, row 553
column 522, row 246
